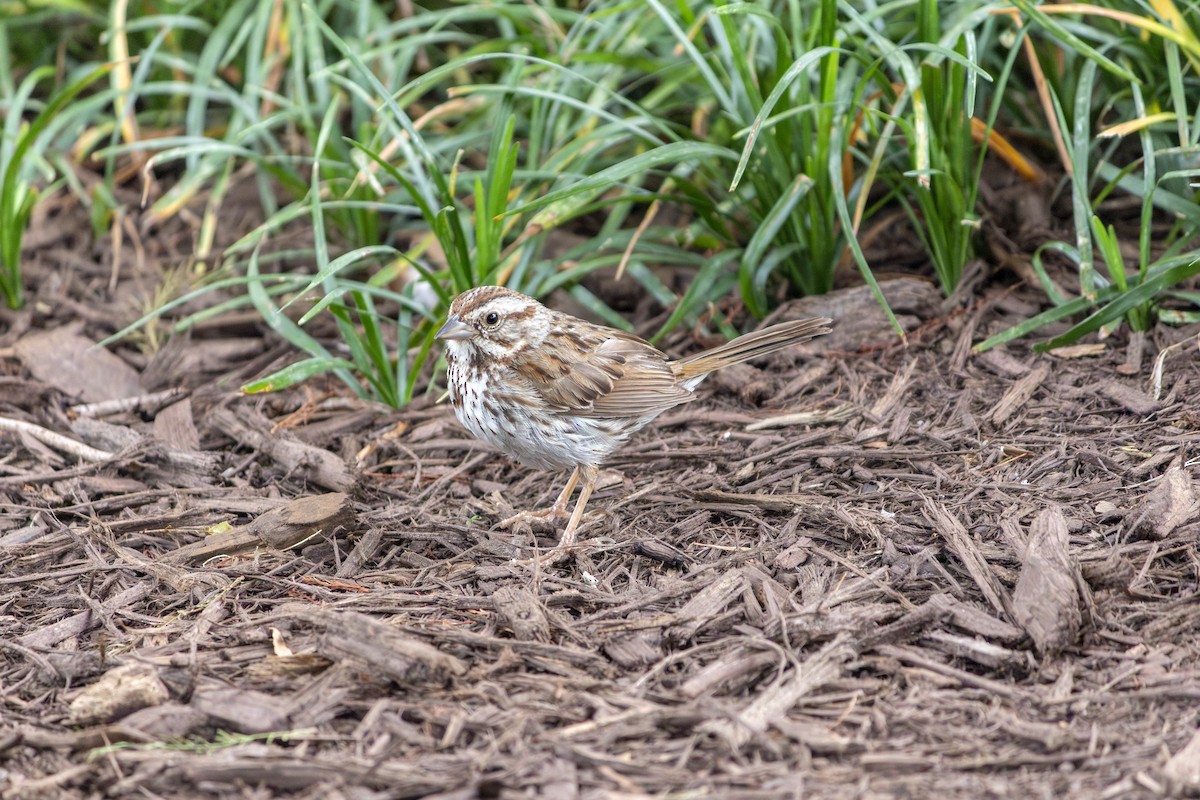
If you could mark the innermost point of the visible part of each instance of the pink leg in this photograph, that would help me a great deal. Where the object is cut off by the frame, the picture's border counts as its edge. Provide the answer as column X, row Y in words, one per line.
column 590, row 475
column 560, row 505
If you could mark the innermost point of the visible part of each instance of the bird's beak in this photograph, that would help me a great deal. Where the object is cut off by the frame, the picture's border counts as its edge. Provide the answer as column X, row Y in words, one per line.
column 455, row 330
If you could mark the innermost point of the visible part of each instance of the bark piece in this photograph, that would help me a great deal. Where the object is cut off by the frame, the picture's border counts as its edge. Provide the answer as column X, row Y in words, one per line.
column 119, row 691
column 309, row 463
column 1171, row 503
column 1182, row 770
column 280, row 528
column 174, row 425
column 240, row 710
column 1046, row 600
column 166, row 721
column 1129, row 398
column 521, row 611
column 1019, row 394
column 74, row 365
column 405, row 660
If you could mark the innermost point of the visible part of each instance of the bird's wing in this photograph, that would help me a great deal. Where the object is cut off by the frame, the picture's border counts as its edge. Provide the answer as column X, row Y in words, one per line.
column 602, row 374
column 648, row 387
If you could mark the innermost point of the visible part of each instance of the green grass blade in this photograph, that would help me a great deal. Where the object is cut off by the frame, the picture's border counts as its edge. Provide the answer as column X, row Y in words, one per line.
column 1145, row 292
column 297, row 373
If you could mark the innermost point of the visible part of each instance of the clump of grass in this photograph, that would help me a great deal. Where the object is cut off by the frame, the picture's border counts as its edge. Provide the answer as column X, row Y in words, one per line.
column 779, row 93
column 488, row 213
column 946, row 162
column 439, row 150
column 21, row 154
column 1108, row 81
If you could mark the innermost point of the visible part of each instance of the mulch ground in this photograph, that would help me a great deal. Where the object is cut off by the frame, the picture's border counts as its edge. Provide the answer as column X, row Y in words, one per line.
column 855, row 570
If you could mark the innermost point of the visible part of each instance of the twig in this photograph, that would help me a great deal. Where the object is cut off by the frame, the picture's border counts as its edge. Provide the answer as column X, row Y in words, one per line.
column 121, row 405
column 55, row 440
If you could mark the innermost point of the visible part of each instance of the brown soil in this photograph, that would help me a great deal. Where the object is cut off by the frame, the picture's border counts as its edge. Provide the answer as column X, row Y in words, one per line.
column 951, row 575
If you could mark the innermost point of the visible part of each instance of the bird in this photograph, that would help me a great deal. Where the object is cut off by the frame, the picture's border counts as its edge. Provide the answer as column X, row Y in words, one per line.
column 553, row 391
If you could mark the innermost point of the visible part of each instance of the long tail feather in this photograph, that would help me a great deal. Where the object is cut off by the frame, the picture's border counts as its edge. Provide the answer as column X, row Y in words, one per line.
column 752, row 345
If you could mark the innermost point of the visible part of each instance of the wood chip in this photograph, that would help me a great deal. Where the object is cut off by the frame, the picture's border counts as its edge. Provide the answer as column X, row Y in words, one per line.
column 633, row 650
column 795, row 555
column 166, row 721
column 312, row 463
column 1050, row 736
column 281, row 528
column 1182, row 770
column 350, row 635
column 706, row 605
column 1129, row 398
column 76, row 624
column 1018, row 394
column 76, row 366
column 778, row 699
column 1046, row 600
column 295, row 773
column 175, row 426
column 363, row 552
column 522, row 613
column 1171, row 503
column 1002, row 363
column 239, row 710
column 896, row 394
column 977, row 650
column 732, row 670
column 979, row 622
column 119, row 692
column 837, row 414
column 963, row 546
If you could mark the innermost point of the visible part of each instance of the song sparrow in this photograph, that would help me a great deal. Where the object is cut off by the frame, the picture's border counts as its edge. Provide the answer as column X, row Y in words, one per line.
column 554, row 391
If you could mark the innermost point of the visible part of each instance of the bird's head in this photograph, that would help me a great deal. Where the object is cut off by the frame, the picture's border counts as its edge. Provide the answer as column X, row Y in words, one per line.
column 494, row 322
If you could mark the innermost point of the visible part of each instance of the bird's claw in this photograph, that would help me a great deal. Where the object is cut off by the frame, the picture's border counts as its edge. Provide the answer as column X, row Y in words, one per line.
column 549, row 520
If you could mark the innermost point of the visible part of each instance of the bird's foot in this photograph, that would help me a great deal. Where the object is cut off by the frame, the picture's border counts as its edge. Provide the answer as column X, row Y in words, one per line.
column 548, row 520
column 548, row 558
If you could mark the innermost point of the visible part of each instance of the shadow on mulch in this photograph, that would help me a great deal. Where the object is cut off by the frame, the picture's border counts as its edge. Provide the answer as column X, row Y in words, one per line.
column 843, row 574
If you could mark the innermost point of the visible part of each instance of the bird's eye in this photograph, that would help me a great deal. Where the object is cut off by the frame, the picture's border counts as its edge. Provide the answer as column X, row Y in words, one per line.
column 492, row 318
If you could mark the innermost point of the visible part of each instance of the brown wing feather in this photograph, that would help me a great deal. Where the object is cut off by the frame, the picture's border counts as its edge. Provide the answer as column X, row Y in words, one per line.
column 648, row 386
column 621, row 376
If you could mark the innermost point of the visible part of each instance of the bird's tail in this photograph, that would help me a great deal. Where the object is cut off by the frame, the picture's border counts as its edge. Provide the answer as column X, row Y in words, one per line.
column 752, row 345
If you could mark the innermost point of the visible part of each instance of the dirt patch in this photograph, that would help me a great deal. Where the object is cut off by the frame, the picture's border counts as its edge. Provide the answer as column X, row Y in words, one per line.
column 906, row 571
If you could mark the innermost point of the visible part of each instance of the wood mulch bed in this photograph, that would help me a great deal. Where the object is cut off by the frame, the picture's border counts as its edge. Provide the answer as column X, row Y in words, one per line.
column 861, row 569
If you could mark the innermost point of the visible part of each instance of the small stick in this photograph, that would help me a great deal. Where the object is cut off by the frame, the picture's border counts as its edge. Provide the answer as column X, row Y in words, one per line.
column 121, row 405
column 55, row 440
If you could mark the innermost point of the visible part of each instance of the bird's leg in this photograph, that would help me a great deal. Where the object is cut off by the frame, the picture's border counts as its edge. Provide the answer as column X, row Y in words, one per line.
column 548, row 515
column 590, row 475
column 560, row 505
column 560, row 552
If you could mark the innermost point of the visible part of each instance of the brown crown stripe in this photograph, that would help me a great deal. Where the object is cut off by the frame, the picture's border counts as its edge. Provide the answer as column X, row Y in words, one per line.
column 473, row 299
